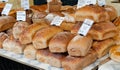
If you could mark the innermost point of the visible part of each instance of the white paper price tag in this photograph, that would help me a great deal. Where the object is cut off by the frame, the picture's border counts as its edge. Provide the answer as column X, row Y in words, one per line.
column 81, row 3
column 101, row 2
column 88, row 2
column 25, row 4
column 21, row 16
column 85, row 27
column 6, row 9
column 4, row 0
column 57, row 21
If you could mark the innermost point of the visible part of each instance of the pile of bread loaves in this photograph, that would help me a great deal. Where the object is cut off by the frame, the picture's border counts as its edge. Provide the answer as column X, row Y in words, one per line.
column 62, row 46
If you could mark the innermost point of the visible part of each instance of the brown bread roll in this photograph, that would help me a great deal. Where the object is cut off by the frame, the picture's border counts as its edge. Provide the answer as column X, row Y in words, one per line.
column 6, row 22
column 59, row 43
column 30, row 52
column 79, row 45
column 42, row 37
column 93, row 12
column 27, row 35
column 78, row 63
column 103, row 30
column 102, row 47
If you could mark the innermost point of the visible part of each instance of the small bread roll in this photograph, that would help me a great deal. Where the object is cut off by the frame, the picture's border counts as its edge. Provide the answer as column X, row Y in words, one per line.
column 115, row 53
column 62, row 39
column 42, row 55
column 18, row 28
column 6, row 22
column 78, row 63
column 27, row 35
column 30, row 52
column 13, row 45
column 3, row 36
column 79, row 45
column 112, row 12
column 103, row 30
column 42, row 37
column 93, row 12
column 102, row 47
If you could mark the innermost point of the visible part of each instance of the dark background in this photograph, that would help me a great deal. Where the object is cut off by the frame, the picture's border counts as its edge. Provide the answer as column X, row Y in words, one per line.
column 64, row 2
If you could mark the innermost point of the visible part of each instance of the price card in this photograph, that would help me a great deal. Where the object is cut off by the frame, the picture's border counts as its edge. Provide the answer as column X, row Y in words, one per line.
column 101, row 2
column 88, row 2
column 21, row 16
column 85, row 27
column 57, row 21
column 4, row 0
column 81, row 3
column 25, row 4
column 6, row 9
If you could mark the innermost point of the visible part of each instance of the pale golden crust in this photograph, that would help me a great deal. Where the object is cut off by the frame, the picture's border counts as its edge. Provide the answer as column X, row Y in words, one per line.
column 102, row 47
column 30, row 52
column 42, row 37
column 92, row 12
column 3, row 36
column 62, row 39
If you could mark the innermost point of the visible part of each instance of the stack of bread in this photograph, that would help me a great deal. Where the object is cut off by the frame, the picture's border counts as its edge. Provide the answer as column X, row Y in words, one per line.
column 62, row 46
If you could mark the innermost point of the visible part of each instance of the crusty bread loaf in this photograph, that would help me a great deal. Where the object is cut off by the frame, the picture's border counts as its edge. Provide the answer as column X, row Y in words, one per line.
column 46, row 56
column 30, row 52
column 103, row 30
column 42, row 37
column 79, row 45
column 6, row 22
column 67, row 26
column 18, row 28
column 78, row 63
column 115, row 53
column 112, row 12
column 59, row 43
column 27, row 35
column 42, row 55
column 92, row 12
column 102, row 47
column 56, row 59
column 3, row 36
column 10, row 44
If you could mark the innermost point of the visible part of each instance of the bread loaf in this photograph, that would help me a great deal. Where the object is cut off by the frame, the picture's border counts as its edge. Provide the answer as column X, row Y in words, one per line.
column 18, row 28
column 78, row 63
column 27, row 35
column 102, row 47
column 93, row 12
column 10, row 44
column 42, row 55
column 30, row 52
column 42, row 37
column 6, row 22
column 115, row 53
column 59, row 43
column 112, row 12
column 3, row 36
column 79, row 45
column 103, row 30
